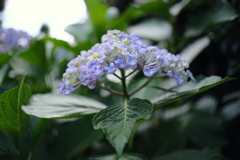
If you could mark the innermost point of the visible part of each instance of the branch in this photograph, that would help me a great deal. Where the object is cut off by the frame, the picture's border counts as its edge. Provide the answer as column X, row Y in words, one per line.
column 117, row 76
column 111, row 90
column 125, row 93
column 142, row 86
column 130, row 73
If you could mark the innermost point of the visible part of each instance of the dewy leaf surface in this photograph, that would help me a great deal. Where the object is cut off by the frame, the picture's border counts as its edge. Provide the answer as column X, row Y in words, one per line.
column 62, row 106
column 118, row 121
column 191, row 88
column 11, row 116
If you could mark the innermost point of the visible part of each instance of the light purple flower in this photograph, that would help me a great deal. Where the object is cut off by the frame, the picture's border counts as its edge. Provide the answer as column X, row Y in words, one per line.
column 119, row 50
column 13, row 39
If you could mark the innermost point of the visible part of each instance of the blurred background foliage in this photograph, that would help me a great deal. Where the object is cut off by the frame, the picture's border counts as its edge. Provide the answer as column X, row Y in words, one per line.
column 206, row 33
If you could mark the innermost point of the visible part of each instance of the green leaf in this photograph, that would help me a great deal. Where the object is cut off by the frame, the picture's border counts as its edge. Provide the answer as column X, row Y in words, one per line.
column 82, row 32
column 12, row 118
column 160, row 29
column 118, row 121
column 61, row 106
column 70, row 144
column 97, row 12
column 189, row 89
column 115, row 157
column 6, row 146
column 159, row 8
column 4, row 59
column 38, row 127
column 36, row 55
column 60, row 44
column 22, row 67
column 156, row 8
column 231, row 110
column 3, row 72
column 210, row 17
column 208, row 153
column 177, row 8
column 190, row 52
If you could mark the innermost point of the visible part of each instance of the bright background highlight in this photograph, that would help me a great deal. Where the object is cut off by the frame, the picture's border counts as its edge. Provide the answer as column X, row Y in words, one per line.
column 29, row 15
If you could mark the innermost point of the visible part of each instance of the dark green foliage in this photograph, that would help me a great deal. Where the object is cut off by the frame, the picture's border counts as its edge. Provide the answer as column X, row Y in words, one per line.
column 4, row 59
column 197, row 121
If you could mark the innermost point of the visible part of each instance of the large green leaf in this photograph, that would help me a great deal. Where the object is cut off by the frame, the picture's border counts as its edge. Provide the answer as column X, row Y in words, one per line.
column 156, row 8
column 231, row 110
column 208, row 153
column 191, row 88
column 12, row 119
column 115, row 157
column 159, row 8
column 38, row 127
column 36, row 55
column 160, row 29
column 97, row 12
column 70, row 144
column 190, row 52
column 178, row 7
column 3, row 72
column 6, row 147
column 82, row 32
column 61, row 106
column 60, row 44
column 215, row 15
column 4, row 58
column 118, row 121
column 22, row 67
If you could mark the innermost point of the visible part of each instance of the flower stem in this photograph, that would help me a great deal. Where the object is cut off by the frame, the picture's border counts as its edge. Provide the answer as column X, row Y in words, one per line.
column 123, row 79
column 111, row 90
column 117, row 76
column 130, row 73
column 141, row 87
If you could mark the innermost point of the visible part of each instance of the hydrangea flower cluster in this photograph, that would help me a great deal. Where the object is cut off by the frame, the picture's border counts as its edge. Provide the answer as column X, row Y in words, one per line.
column 119, row 50
column 12, row 39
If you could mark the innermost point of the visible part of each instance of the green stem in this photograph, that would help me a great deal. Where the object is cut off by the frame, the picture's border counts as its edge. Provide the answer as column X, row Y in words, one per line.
column 141, row 87
column 111, row 90
column 117, row 76
column 123, row 79
column 130, row 73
